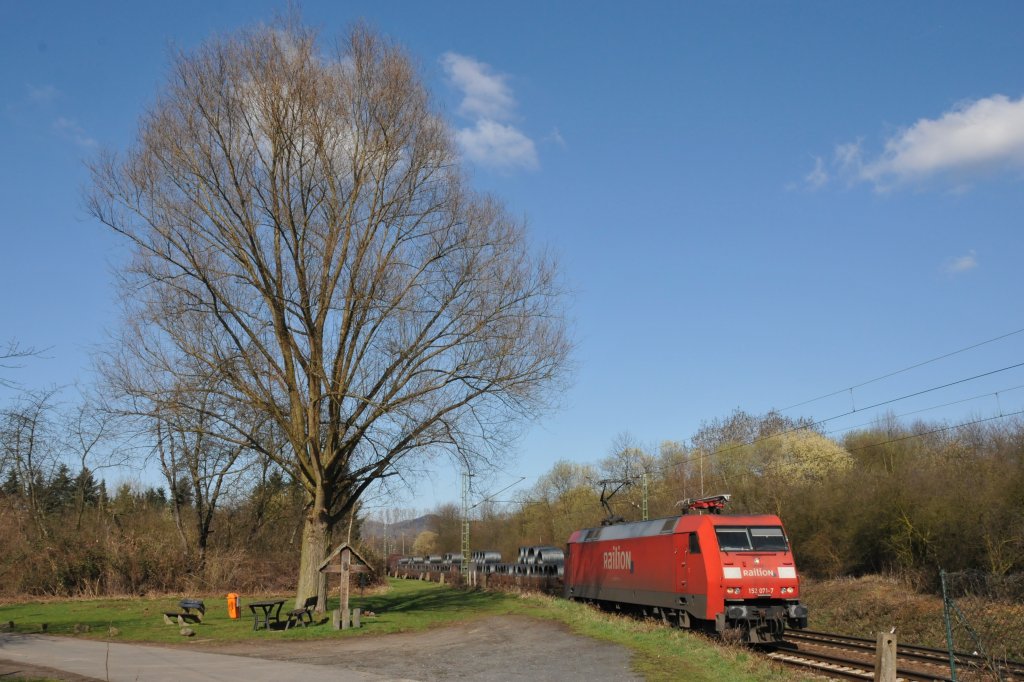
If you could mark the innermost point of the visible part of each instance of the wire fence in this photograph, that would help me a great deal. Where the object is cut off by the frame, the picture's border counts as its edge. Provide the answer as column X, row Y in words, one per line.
column 984, row 621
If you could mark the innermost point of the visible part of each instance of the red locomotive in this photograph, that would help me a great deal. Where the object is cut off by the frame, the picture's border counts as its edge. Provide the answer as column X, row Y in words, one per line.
column 711, row 571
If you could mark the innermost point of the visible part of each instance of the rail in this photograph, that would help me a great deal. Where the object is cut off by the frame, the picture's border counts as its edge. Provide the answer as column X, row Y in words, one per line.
column 853, row 658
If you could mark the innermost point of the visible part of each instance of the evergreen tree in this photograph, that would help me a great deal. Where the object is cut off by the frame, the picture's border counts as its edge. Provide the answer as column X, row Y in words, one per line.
column 155, row 498
column 12, row 486
column 87, row 488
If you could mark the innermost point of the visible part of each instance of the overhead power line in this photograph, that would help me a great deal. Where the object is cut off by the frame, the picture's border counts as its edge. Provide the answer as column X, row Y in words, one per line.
column 901, row 371
column 933, row 431
column 719, row 451
column 863, row 409
column 493, row 495
column 990, row 394
column 779, row 465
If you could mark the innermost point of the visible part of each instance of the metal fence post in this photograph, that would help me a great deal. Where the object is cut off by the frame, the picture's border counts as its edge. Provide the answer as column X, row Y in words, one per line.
column 949, row 626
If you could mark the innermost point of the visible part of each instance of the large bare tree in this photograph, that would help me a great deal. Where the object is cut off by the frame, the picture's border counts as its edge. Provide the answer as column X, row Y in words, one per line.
column 302, row 228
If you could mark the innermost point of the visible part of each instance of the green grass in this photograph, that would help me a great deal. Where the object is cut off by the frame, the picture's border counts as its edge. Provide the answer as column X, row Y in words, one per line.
column 408, row 605
column 663, row 653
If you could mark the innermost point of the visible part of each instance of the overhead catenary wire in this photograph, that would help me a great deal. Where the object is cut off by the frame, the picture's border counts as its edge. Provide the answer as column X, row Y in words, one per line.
column 905, row 369
column 780, row 464
column 938, row 430
column 804, row 427
column 990, row 394
column 855, row 409
column 493, row 495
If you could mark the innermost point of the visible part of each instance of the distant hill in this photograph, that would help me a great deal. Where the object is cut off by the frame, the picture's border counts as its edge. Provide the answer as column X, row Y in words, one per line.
column 410, row 528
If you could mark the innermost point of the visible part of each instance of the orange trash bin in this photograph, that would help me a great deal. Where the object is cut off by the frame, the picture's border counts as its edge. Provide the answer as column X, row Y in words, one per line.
column 234, row 608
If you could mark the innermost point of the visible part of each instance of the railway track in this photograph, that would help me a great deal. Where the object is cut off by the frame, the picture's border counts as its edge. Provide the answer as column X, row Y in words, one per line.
column 846, row 657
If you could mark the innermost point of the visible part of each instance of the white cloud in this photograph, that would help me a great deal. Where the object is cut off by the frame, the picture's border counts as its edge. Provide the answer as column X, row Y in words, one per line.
column 494, row 144
column 971, row 139
column 849, row 157
column 818, row 176
column 70, row 130
column 556, row 137
column 488, row 102
column 962, row 264
column 485, row 93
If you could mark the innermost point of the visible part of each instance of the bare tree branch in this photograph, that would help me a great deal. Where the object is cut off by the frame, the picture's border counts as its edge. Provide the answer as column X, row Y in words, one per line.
column 303, row 232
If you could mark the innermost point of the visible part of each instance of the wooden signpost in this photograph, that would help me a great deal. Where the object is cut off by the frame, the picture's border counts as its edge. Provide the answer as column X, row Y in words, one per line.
column 344, row 561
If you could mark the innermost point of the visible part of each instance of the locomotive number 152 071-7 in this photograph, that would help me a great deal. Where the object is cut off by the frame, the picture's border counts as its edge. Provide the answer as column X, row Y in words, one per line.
column 761, row 590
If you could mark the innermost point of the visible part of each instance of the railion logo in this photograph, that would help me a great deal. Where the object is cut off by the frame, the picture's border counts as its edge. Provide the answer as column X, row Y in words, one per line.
column 758, row 573
column 617, row 560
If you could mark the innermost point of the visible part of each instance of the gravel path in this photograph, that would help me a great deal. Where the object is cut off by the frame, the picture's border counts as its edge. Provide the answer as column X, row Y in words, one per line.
column 493, row 649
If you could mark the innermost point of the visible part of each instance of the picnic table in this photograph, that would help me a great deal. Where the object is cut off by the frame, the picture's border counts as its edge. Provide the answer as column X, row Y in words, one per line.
column 271, row 608
column 186, row 615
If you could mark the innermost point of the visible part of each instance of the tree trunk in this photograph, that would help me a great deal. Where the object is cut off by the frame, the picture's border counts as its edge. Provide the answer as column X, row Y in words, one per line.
column 316, row 540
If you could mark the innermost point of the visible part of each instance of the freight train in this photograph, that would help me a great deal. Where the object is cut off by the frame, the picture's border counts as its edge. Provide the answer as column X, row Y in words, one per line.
column 707, row 571
column 533, row 561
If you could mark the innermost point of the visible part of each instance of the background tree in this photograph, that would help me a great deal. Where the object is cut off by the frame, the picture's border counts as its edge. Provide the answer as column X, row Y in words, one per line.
column 29, row 452
column 301, row 228
column 425, row 543
column 198, row 466
column 89, row 432
column 448, row 526
column 625, row 468
column 673, row 482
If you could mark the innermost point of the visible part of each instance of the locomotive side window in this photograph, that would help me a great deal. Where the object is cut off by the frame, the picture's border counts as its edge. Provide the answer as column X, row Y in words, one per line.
column 743, row 539
column 694, row 544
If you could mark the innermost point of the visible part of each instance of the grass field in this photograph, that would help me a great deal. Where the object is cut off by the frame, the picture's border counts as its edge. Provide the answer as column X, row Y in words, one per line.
column 405, row 606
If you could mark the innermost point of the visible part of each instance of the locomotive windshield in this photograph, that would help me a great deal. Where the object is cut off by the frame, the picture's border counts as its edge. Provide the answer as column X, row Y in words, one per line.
column 751, row 539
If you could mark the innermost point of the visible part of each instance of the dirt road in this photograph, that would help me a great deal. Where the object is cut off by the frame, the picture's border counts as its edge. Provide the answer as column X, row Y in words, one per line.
column 488, row 650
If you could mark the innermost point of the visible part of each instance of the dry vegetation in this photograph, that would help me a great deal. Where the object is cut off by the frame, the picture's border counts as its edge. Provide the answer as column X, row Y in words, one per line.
column 875, row 508
column 868, row 605
column 871, row 604
column 895, row 498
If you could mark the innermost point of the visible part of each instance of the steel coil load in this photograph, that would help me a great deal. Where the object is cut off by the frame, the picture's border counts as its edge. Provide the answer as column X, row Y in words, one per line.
column 552, row 556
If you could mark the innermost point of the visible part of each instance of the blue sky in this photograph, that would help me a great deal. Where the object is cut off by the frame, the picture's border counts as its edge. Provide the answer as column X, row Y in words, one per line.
column 755, row 203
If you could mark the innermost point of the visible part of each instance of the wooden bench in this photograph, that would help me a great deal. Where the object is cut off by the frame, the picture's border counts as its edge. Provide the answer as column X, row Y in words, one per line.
column 186, row 614
column 302, row 614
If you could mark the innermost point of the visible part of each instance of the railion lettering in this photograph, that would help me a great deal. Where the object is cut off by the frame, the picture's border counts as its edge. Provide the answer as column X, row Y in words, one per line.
column 618, row 560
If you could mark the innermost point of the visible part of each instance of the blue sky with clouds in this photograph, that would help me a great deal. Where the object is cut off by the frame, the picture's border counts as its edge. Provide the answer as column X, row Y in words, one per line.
column 755, row 203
